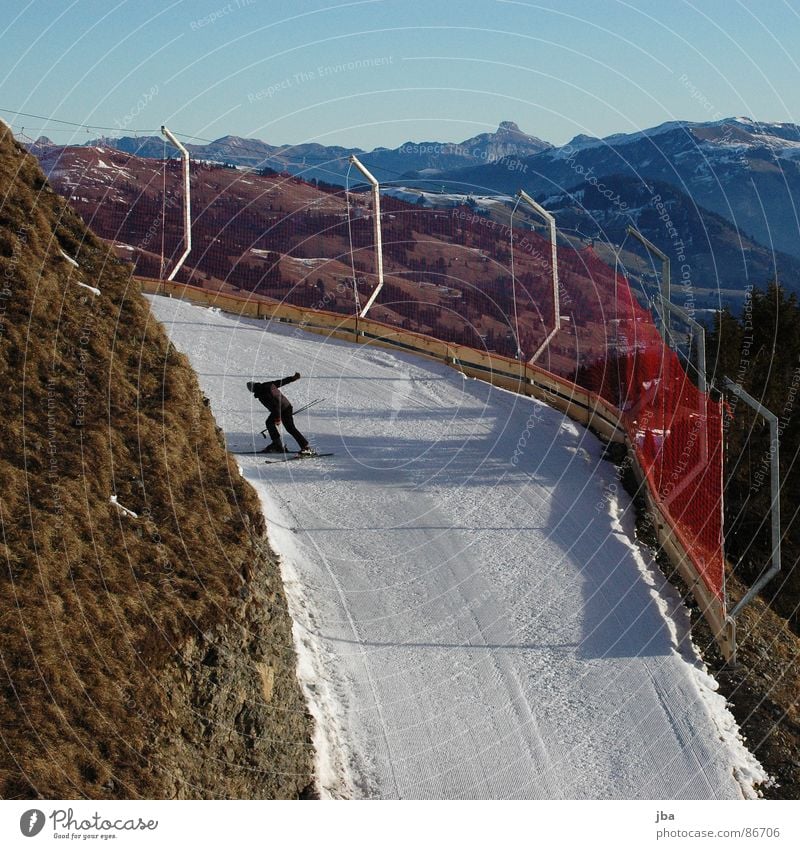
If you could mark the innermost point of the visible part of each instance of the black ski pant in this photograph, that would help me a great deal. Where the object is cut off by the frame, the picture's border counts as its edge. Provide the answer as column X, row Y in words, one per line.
column 286, row 416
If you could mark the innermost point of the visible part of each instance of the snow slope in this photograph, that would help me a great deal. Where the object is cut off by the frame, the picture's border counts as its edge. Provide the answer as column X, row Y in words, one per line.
column 472, row 615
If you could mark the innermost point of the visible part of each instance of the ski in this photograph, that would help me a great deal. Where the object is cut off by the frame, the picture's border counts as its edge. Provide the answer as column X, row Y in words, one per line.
column 296, row 457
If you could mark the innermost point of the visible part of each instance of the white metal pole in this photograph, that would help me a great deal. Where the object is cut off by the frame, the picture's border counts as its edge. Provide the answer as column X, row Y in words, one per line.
column 666, row 295
column 187, row 217
column 514, row 280
column 551, row 223
column 701, row 341
column 376, row 203
column 775, row 493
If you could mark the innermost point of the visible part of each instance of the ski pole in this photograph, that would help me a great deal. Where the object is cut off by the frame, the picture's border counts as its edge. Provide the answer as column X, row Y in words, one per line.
column 310, row 404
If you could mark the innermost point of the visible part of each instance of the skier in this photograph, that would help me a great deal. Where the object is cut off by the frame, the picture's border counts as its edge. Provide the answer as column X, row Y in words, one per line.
column 280, row 411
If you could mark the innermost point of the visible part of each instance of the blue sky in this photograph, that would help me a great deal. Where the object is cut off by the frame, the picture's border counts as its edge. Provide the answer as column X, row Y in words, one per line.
column 380, row 72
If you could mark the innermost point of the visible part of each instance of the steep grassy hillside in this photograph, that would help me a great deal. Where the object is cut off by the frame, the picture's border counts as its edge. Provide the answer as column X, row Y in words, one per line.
column 147, row 655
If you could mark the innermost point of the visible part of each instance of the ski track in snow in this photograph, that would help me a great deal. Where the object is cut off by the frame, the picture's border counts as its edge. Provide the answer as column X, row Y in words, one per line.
column 467, row 626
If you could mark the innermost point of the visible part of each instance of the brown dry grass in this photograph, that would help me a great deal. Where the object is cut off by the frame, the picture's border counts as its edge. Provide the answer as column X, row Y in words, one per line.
column 101, row 613
column 763, row 689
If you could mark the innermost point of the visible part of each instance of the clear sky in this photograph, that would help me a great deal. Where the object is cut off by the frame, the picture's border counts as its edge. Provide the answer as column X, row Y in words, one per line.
column 369, row 73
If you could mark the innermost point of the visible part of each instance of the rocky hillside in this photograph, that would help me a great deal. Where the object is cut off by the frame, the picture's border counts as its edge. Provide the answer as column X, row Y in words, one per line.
column 147, row 649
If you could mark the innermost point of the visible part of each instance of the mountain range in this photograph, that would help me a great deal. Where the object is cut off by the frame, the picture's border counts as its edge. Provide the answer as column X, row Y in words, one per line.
column 721, row 197
column 747, row 172
column 330, row 163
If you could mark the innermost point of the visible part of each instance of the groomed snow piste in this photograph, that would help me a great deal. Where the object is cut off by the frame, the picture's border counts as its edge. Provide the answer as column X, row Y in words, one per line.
column 472, row 614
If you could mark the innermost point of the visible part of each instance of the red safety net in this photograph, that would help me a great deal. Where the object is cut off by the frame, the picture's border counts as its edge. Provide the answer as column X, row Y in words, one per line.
column 447, row 275
column 675, row 429
column 677, row 433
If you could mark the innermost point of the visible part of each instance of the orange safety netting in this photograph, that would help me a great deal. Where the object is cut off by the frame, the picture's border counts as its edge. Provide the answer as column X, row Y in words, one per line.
column 675, row 429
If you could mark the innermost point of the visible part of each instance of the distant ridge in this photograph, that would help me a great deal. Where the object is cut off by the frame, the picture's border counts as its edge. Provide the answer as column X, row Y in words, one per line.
column 330, row 163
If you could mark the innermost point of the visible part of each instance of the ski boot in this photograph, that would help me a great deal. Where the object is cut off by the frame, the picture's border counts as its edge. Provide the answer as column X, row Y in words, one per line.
column 274, row 448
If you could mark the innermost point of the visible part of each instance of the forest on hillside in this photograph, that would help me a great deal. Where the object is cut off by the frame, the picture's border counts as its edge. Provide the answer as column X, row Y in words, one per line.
column 760, row 350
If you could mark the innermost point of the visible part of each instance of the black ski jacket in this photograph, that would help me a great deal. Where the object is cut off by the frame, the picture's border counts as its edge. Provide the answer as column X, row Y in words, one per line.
column 270, row 394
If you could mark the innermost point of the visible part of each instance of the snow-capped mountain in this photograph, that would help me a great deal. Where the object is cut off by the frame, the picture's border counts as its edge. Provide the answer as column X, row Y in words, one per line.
column 746, row 171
